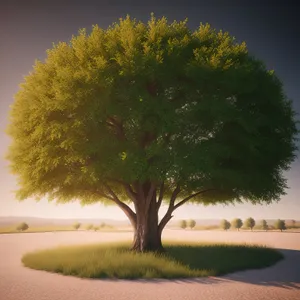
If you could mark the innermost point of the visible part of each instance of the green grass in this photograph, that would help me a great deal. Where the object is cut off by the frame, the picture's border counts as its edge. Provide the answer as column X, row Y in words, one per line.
column 180, row 261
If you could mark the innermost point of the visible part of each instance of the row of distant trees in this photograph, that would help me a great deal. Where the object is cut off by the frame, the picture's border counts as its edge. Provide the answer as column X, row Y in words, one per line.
column 89, row 226
column 225, row 224
column 190, row 223
column 24, row 226
column 250, row 223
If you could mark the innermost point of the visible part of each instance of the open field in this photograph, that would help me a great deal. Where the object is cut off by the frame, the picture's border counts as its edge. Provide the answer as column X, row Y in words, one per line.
column 36, row 229
column 281, row 281
column 58, row 229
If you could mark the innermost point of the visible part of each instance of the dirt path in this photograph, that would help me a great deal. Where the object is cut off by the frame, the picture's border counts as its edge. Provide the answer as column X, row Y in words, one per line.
column 281, row 281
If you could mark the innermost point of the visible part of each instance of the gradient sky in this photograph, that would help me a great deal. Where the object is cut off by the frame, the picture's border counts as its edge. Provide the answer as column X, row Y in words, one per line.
column 28, row 28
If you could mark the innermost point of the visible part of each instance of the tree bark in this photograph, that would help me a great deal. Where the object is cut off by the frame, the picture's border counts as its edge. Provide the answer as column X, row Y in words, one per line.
column 147, row 236
column 147, row 229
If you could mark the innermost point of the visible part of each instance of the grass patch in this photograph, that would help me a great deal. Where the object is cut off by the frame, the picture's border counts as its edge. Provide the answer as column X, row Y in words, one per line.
column 180, row 261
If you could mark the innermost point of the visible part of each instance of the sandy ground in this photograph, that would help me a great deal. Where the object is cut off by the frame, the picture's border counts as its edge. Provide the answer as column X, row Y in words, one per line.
column 281, row 281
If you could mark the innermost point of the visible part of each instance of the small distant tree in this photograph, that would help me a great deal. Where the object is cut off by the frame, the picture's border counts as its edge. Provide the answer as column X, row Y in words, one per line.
column 96, row 228
column 183, row 224
column 225, row 224
column 77, row 225
column 102, row 225
column 293, row 222
column 191, row 224
column 280, row 224
column 264, row 225
column 250, row 223
column 22, row 227
column 237, row 223
column 89, row 227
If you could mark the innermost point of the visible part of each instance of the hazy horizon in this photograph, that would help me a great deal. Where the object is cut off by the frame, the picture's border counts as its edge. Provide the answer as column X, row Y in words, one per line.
column 31, row 29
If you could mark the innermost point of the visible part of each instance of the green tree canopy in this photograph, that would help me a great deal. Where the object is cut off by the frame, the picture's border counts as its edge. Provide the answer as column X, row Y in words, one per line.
column 89, row 227
column 149, row 114
column 280, row 224
column 191, row 223
column 77, row 225
column 237, row 223
column 264, row 225
column 183, row 224
column 22, row 226
column 249, row 223
column 102, row 225
column 225, row 224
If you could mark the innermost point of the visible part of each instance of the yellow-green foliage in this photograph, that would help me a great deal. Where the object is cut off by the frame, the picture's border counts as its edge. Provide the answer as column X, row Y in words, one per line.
column 197, row 99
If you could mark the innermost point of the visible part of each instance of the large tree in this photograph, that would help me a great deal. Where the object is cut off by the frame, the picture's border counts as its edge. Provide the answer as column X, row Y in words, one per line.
column 145, row 114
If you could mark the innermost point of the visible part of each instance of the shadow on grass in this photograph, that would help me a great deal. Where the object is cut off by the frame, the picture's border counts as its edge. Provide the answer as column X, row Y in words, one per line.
column 284, row 274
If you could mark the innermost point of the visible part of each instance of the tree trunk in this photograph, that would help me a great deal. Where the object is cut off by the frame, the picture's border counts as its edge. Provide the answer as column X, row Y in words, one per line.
column 147, row 235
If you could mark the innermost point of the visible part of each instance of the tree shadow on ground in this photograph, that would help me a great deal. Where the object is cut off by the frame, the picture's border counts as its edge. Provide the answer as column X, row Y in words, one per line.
column 285, row 273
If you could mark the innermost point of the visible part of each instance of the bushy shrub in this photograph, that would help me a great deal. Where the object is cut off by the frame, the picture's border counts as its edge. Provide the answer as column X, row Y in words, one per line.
column 22, row 227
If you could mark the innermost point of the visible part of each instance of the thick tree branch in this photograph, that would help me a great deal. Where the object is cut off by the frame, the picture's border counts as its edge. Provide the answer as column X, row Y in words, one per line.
column 164, row 221
column 105, row 196
column 173, row 198
column 126, row 209
column 128, row 189
column 140, row 191
column 150, row 196
column 161, row 195
column 147, row 138
column 130, row 193
column 189, row 197
column 168, row 216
